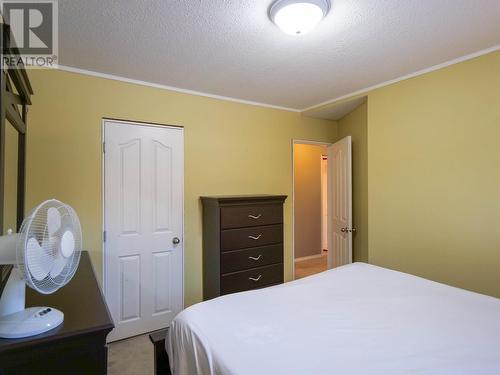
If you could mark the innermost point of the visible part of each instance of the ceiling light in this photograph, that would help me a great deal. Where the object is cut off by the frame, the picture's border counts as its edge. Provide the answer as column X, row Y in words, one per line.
column 297, row 17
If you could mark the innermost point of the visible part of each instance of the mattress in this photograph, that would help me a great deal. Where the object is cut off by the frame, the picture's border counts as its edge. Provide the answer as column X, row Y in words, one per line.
column 355, row 319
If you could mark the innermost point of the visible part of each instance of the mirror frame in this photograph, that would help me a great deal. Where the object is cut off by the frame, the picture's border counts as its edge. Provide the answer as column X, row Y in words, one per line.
column 15, row 92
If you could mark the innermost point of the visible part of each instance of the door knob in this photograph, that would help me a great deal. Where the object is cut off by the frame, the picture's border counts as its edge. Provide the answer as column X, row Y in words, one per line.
column 343, row 230
column 176, row 240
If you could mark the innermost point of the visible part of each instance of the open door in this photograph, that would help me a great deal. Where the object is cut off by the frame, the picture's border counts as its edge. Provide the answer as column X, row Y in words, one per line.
column 340, row 203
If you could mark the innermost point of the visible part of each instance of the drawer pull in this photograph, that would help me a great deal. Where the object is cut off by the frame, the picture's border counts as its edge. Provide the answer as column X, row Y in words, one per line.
column 255, row 237
column 255, row 217
column 256, row 258
column 255, row 279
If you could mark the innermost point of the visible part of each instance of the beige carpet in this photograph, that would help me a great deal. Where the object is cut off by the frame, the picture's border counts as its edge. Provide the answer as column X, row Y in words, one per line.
column 309, row 267
column 133, row 356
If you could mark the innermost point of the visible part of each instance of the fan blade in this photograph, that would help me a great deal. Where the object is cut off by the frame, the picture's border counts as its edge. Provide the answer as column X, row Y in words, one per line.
column 67, row 244
column 66, row 250
column 53, row 220
column 38, row 260
column 59, row 264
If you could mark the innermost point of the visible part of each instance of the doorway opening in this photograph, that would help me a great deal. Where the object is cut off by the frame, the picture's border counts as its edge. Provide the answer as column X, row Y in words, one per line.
column 322, row 206
column 310, row 171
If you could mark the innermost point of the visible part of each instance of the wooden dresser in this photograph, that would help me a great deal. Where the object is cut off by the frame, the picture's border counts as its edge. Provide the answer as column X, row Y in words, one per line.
column 78, row 346
column 242, row 243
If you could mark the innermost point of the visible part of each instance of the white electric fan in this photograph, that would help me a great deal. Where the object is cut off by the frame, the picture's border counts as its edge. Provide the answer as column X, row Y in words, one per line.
column 45, row 254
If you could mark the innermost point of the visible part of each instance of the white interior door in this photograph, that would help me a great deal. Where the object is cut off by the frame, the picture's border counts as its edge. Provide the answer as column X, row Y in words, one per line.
column 143, row 216
column 340, row 203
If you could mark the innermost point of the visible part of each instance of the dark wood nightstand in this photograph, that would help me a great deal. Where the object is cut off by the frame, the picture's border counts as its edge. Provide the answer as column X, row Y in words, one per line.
column 78, row 346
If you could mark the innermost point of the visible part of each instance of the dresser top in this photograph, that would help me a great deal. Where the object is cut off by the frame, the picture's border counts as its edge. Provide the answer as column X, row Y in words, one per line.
column 245, row 198
column 81, row 301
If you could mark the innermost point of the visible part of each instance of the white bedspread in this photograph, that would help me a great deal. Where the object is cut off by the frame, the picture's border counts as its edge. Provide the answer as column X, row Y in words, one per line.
column 356, row 319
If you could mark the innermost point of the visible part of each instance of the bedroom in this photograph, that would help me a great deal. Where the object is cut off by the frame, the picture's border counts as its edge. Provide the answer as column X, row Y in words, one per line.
column 425, row 134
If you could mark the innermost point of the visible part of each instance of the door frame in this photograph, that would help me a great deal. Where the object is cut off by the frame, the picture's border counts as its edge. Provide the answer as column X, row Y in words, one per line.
column 300, row 142
column 324, row 222
column 103, row 191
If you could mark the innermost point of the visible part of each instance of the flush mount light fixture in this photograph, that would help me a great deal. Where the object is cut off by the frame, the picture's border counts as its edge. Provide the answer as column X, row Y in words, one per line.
column 297, row 17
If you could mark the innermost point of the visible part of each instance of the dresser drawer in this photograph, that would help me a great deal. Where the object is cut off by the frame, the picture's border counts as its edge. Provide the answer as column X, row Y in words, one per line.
column 251, row 279
column 232, row 239
column 249, row 258
column 251, row 215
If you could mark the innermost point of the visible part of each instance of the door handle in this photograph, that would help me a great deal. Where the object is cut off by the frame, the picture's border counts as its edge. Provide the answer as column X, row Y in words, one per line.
column 256, row 258
column 255, row 237
column 176, row 240
column 255, row 217
column 255, row 279
column 347, row 230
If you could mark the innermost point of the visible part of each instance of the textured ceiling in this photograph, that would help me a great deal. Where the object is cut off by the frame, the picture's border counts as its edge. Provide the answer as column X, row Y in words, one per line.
column 230, row 48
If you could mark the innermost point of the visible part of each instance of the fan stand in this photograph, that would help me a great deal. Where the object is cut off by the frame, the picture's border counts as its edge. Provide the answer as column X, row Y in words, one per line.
column 13, row 296
column 15, row 320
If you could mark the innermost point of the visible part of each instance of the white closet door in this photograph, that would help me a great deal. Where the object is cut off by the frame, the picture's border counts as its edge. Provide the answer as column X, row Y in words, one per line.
column 340, row 203
column 143, row 215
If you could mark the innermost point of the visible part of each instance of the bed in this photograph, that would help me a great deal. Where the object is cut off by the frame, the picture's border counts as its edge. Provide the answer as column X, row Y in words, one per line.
column 355, row 319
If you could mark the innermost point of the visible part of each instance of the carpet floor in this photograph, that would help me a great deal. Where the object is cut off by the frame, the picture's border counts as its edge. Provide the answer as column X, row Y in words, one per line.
column 132, row 356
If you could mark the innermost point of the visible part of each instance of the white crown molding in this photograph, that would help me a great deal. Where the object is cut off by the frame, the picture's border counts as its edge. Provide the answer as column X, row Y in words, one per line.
column 249, row 102
column 171, row 88
column 405, row 77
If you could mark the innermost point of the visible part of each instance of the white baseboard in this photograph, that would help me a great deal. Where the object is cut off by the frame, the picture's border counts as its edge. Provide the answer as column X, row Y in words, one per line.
column 323, row 254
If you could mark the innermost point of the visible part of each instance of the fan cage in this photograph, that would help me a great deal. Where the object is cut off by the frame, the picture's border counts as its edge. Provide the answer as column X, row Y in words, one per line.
column 35, row 226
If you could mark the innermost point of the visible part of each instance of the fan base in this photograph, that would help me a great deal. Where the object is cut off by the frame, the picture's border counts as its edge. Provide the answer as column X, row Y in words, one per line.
column 30, row 322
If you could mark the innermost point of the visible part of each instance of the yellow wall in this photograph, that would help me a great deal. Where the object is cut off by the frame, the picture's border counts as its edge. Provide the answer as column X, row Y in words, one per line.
column 434, row 175
column 307, row 176
column 230, row 148
column 355, row 124
column 433, row 149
